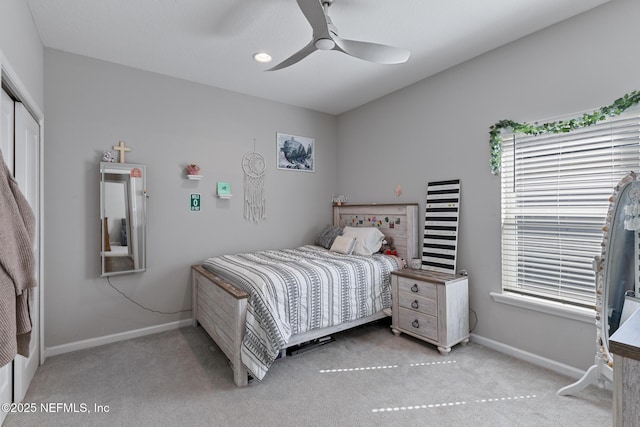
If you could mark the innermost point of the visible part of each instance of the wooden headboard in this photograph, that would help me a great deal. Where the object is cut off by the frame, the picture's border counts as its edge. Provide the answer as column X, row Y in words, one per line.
column 399, row 221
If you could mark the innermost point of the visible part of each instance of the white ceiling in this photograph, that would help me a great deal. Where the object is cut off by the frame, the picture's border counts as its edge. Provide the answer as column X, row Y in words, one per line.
column 212, row 41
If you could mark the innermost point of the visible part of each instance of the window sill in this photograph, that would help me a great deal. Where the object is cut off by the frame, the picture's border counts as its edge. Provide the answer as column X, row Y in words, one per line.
column 586, row 315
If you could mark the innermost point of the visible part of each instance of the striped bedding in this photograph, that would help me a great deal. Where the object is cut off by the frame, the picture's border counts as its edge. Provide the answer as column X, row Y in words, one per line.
column 296, row 290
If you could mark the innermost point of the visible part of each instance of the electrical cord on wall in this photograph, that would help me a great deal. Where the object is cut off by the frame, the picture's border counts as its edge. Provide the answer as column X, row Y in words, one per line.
column 471, row 310
column 142, row 306
column 475, row 321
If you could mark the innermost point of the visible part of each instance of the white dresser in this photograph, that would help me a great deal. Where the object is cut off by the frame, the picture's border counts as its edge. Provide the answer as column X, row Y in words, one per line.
column 431, row 306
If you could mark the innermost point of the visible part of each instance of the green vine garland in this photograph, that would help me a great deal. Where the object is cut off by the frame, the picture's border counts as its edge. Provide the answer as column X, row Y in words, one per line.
column 563, row 126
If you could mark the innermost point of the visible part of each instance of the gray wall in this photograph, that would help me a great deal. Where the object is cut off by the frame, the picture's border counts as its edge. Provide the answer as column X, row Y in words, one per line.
column 435, row 129
column 20, row 45
column 90, row 105
column 438, row 129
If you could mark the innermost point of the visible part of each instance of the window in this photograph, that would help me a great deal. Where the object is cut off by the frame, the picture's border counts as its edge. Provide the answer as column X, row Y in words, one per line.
column 555, row 197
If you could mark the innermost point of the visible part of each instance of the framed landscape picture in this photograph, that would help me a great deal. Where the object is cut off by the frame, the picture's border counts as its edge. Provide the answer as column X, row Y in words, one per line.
column 296, row 153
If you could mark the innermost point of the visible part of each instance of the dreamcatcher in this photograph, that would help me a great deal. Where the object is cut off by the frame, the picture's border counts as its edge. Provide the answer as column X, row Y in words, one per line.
column 254, row 202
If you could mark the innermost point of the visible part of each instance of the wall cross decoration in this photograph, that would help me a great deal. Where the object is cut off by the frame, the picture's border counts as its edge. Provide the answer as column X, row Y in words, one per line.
column 122, row 149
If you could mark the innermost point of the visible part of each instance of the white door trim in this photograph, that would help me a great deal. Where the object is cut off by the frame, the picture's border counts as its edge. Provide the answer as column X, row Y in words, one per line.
column 6, row 146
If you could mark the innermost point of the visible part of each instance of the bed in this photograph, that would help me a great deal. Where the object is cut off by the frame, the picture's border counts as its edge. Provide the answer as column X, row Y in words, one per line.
column 256, row 305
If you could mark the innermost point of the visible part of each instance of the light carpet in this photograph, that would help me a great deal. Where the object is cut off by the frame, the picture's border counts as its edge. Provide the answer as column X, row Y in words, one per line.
column 367, row 377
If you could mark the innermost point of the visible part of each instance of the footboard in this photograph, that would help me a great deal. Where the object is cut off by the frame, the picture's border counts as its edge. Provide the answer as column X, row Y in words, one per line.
column 221, row 309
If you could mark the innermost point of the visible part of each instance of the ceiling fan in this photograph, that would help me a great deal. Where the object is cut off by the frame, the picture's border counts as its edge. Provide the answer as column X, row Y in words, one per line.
column 325, row 37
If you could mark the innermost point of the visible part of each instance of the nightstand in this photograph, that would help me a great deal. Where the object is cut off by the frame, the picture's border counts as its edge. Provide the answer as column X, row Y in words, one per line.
column 431, row 306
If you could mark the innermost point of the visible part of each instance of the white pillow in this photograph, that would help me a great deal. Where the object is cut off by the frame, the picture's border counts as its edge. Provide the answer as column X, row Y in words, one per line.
column 343, row 245
column 368, row 239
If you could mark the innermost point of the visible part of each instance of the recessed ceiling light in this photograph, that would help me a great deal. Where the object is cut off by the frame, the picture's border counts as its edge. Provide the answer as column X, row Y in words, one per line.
column 262, row 57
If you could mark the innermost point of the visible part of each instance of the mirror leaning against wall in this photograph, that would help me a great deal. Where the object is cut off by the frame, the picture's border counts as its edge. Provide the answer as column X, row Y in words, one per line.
column 123, row 218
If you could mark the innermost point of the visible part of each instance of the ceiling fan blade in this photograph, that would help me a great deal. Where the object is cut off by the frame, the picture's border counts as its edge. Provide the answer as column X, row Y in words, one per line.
column 298, row 56
column 314, row 12
column 372, row 52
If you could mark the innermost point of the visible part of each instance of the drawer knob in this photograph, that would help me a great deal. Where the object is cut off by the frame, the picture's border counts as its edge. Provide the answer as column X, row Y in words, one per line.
column 414, row 304
column 414, row 288
column 415, row 323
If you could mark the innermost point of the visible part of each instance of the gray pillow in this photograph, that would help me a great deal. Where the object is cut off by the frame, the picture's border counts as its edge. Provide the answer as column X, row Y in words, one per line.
column 327, row 235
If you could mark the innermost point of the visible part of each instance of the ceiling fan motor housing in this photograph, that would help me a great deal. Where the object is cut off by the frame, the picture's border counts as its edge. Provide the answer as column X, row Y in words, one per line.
column 325, row 44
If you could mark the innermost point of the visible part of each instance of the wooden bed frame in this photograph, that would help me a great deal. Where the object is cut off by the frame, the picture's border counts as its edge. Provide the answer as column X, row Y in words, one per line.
column 220, row 308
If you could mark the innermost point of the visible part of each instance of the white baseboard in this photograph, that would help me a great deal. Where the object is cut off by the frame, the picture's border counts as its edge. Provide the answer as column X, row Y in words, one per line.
column 534, row 359
column 108, row 339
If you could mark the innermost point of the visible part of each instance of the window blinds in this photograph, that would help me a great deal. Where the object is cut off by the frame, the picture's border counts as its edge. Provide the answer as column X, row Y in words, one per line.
column 555, row 195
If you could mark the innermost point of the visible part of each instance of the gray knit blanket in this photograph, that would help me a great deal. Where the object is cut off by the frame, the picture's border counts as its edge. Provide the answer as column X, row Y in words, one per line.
column 17, row 267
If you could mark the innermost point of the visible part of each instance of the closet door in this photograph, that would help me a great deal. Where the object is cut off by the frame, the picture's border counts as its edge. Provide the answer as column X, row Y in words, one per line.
column 6, row 146
column 6, row 129
column 27, row 173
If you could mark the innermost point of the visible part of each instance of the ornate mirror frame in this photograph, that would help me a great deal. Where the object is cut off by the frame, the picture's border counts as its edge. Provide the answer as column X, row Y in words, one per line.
column 615, row 264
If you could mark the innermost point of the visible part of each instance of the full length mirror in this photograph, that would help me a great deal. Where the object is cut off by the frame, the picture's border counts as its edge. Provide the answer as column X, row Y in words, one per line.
column 617, row 270
column 620, row 268
column 123, row 218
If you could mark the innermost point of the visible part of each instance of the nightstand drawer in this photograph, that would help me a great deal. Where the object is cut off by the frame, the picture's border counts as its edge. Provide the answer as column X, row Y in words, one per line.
column 417, row 287
column 418, row 303
column 418, row 323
